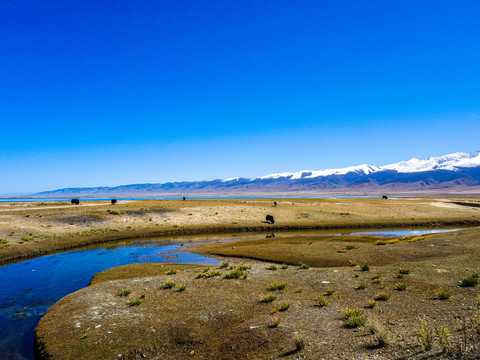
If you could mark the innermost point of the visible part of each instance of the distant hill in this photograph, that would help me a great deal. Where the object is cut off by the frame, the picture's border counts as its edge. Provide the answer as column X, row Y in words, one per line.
column 454, row 173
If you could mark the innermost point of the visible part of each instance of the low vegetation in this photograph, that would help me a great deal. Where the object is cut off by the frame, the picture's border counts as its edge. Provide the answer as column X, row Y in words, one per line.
column 233, row 313
column 277, row 286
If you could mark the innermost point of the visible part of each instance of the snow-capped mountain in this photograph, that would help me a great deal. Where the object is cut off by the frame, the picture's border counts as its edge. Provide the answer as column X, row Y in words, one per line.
column 458, row 172
column 451, row 162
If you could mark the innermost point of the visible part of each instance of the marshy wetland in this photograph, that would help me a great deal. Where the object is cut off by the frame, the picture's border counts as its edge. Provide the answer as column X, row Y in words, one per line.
column 309, row 294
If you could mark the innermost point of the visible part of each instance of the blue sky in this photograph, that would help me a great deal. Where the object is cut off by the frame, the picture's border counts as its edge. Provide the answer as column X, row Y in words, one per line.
column 116, row 92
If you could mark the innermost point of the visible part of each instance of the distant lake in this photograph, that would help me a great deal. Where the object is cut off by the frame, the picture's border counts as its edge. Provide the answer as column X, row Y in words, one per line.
column 3, row 200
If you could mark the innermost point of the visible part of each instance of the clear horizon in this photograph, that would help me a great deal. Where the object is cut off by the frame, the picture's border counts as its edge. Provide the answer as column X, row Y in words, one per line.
column 103, row 94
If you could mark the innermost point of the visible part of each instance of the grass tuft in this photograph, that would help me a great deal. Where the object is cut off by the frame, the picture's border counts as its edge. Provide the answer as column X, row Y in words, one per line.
column 134, row 302
column 209, row 274
column 125, row 292
column 274, row 286
column 443, row 295
column 400, row 286
column 168, row 285
column 354, row 318
column 268, row 299
column 304, row 267
column 299, row 342
column 469, row 282
column 425, row 334
column 365, row 267
column 275, row 322
column 380, row 334
column 171, row 272
column 272, row 267
column 243, row 267
column 329, row 292
column 382, row 296
column 321, row 301
column 235, row 274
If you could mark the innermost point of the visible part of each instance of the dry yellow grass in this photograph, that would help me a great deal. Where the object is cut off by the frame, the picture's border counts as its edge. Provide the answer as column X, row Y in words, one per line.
column 32, row 229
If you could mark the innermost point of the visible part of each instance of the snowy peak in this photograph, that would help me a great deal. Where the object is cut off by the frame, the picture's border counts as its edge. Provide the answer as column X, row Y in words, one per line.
column 446, row 162
column 309, row 174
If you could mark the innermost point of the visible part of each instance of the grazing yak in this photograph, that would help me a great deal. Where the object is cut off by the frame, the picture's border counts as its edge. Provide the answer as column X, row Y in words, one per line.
column 184, row 198
column 270, row 219
column 275, row 204
column 114, row 201
column 384, row 197
column 75, row 202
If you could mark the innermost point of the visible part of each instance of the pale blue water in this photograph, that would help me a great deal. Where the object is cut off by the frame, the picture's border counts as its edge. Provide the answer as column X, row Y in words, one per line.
column 3, row 200
column 403, row 232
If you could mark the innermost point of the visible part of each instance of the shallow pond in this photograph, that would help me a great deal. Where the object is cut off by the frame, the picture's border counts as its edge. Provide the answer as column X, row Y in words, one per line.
column 28, row 288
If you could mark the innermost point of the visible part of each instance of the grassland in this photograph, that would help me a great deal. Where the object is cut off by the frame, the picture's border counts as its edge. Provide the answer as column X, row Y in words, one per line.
column 31, row 229
column 404, row 300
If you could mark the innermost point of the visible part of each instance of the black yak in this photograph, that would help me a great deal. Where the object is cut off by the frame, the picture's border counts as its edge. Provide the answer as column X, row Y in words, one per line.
column 275, row 203
column 114, row 201
column 75, row 202
column 270, row 219
column 384, row 197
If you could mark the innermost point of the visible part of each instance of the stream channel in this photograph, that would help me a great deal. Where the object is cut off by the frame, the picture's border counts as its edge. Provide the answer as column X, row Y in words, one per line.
column 29, row 287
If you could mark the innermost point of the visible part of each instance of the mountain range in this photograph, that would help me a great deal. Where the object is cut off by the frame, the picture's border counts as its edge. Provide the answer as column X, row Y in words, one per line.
column 457, row 173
